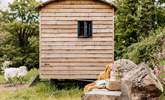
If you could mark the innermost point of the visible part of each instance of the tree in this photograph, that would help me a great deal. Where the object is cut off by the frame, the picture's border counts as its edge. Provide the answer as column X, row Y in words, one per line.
column 148, row 49
column 21, row 22
column 134, row 21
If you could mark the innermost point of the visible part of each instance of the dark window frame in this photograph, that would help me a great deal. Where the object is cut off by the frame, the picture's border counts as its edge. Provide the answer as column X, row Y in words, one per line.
column 85, row 29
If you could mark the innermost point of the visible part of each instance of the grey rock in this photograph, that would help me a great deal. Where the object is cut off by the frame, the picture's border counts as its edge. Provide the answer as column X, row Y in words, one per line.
column 138, row 81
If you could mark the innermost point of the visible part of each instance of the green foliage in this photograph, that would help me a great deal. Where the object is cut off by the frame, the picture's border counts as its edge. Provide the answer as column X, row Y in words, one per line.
column 147, row 49
column 21, row 24
column 135, row 20
column 32, row 73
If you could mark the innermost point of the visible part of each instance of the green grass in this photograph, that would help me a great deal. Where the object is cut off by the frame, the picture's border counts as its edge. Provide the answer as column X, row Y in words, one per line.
column 30, row 75
column 42, row 91
column 162, row 62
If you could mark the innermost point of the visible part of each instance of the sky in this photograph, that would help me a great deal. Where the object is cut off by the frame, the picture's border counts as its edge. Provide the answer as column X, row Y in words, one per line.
column 4, row 3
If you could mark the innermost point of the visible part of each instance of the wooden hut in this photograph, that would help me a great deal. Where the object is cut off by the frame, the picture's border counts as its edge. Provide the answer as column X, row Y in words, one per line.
column 76, row 38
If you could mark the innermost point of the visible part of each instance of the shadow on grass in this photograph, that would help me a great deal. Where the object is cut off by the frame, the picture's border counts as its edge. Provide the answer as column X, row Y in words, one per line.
column 68, row 84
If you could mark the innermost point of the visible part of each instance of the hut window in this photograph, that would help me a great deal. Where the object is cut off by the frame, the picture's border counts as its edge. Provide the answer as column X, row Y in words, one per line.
column 84, row 29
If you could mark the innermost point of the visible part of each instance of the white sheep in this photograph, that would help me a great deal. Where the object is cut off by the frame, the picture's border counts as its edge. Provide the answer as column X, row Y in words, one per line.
column 19, row 73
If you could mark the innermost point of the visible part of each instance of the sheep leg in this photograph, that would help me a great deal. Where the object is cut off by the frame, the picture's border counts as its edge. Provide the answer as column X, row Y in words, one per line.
column 11, row 82
column 20, row 80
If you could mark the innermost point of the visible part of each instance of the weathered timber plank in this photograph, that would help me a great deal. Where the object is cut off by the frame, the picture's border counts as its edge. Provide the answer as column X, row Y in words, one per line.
column 82, row 61
column 76, row 39
column 54, row 72
column 75, row 61
column 77, row 15
column 93, row 59
column 74, row 30
column 73, row 65
column 76, row 55
column 72, row 68
column 45, row 76
column 52, row 18
column 78, row 10
column 65, row 26
column 69, row 66
column 68, row 35
column 78, row 52
column 77, row 6
column 60, row 34
column 74, row 49
column 77, row 48
column 75, row 33
column 75, row 45
column 75, row 22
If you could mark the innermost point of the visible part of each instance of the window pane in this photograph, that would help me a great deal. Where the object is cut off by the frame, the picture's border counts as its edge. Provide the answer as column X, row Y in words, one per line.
column 80, row 28
column 90, row 29
column 84, row 29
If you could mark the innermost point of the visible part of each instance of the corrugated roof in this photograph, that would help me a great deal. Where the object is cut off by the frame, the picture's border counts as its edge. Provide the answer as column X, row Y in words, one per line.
column 50, row 1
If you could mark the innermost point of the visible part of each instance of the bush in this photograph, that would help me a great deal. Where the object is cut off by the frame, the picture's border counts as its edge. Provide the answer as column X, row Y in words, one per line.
column 147, row 49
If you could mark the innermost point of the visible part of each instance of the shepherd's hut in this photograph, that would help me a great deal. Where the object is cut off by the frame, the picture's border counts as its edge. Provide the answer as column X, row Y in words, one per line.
column 76, row 38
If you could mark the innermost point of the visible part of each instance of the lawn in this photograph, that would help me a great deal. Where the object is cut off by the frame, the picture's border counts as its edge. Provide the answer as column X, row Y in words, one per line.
column 42, row 91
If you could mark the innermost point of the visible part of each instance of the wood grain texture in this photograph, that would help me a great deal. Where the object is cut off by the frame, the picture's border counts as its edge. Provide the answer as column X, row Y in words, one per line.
column 77, row 43
column 63, row 22
column 54, row 76
column 65, row 26
column 75, row 30
column 77, row 39
column 78, row 10
column 70, row 72
column 52, row 18
column 82, row 61
column 72, row 68
column 62, row 54
column 73, row 15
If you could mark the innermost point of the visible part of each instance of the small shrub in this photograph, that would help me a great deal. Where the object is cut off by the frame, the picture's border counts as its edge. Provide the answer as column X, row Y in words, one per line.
column 147, row 49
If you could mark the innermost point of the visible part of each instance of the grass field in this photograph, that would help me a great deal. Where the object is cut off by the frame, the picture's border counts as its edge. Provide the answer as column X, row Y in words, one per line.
column 42, row 91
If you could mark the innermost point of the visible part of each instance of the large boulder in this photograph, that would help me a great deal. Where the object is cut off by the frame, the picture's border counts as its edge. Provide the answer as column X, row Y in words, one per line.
column 138, row 81
column 126, row 66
